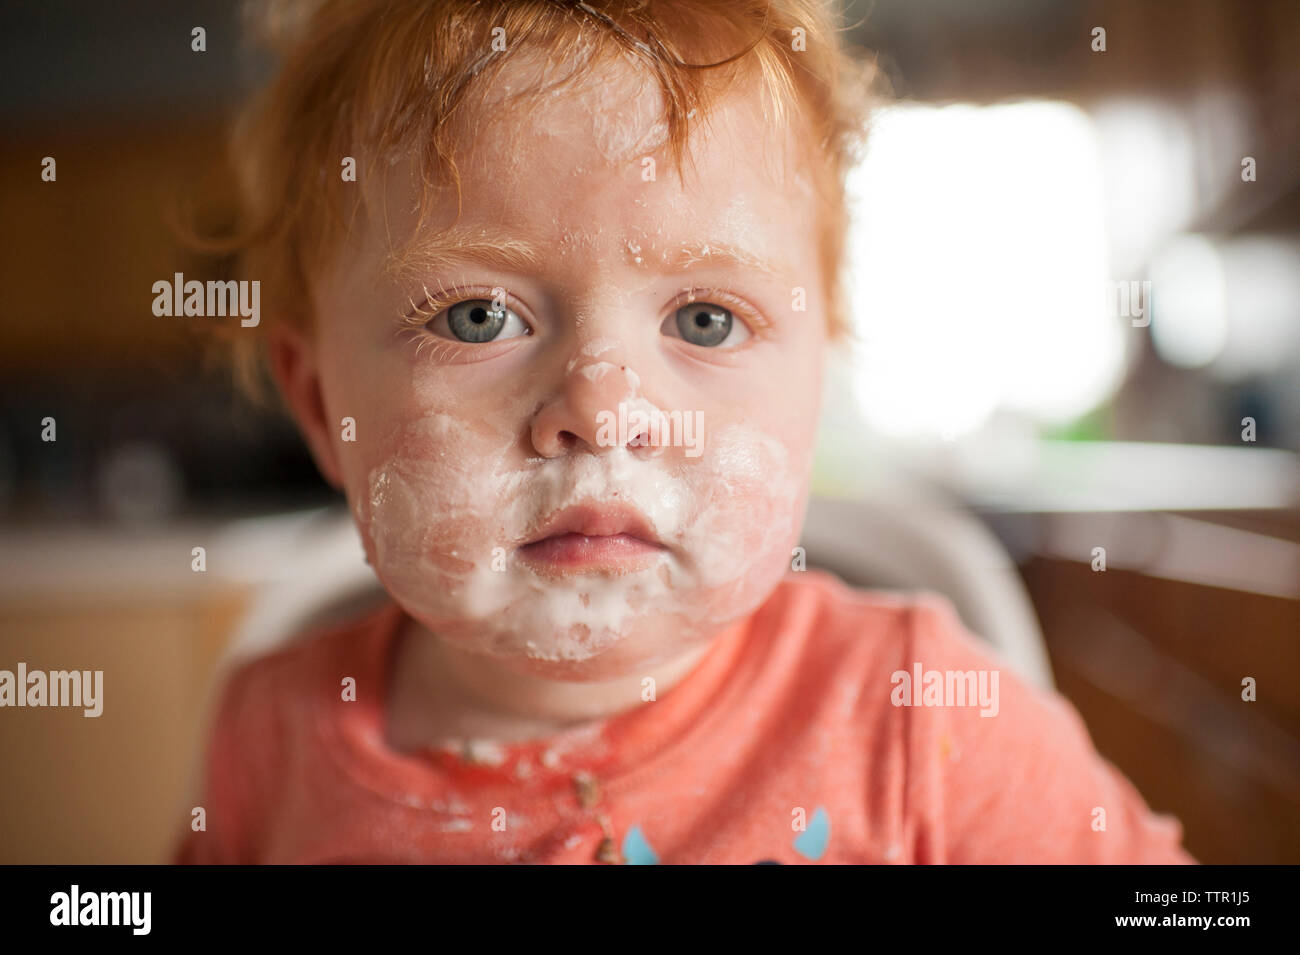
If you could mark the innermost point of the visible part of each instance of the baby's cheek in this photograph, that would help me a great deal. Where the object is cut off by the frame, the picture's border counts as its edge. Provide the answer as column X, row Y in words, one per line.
column 425, row 513
column 748, row 515
column 411, row 526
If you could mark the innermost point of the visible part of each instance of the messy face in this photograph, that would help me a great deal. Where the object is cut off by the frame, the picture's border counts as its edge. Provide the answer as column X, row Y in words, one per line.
column 583, row 427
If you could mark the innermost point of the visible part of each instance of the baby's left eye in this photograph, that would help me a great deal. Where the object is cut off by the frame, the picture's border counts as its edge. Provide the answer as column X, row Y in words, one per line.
column 706, row 324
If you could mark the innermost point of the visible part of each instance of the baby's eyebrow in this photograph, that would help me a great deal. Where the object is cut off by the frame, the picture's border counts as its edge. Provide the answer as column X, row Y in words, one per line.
column 506, row 250
column 480, row 244
column 721, row 253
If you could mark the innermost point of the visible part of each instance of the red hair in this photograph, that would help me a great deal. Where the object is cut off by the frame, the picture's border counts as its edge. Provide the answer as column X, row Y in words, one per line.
column 377, row 79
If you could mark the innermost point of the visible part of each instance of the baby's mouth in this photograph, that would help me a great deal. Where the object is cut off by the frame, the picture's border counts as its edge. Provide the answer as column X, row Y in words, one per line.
column 593, row 538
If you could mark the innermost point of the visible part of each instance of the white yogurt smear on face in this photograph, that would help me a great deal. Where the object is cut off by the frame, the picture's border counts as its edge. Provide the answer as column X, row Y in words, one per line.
column 446, row 507
column 593, row 349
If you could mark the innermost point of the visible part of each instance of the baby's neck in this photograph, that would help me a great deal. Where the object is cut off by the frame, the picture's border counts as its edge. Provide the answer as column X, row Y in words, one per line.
column 441, row 696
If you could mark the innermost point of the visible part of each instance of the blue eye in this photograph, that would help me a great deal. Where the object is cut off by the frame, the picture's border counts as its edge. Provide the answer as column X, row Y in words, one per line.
column 479, row 320
column 703, row 324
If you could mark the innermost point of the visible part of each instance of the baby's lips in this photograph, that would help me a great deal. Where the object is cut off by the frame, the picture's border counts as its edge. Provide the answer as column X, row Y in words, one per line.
column 597, row 519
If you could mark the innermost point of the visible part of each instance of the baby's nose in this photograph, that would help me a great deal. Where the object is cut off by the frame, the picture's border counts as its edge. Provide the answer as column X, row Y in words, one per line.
column 585, row 413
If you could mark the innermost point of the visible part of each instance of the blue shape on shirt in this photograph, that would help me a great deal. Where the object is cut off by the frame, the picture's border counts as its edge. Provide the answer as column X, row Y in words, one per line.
column 636, row 851
column 811, row 843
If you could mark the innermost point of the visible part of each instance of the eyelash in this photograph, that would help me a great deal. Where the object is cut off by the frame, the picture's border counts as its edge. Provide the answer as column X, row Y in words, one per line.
column 417, row 320
column 757, row 321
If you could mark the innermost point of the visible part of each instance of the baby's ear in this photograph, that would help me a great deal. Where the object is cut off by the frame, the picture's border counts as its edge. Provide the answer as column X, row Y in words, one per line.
column 296, row 370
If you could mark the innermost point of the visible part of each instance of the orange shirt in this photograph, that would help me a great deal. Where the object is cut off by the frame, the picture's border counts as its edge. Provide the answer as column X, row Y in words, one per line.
column 794, row 740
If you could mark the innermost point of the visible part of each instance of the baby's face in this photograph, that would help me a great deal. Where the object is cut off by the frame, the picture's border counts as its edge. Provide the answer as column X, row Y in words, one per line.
column 517, row 489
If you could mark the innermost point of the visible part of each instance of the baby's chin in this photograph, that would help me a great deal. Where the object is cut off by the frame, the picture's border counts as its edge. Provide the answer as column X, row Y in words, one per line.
column 592, row 627
column 574, row 654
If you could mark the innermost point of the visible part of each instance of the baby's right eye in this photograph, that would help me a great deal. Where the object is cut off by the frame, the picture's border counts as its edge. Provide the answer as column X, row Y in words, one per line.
column 478, row 320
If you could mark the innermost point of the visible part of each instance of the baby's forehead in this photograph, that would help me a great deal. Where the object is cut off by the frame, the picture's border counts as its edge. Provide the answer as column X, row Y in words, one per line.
column 535, row 114
column 595, row 171
column 612, row 103
column 576, row 164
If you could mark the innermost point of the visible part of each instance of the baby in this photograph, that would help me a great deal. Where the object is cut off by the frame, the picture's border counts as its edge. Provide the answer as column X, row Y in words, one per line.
column 548, row 288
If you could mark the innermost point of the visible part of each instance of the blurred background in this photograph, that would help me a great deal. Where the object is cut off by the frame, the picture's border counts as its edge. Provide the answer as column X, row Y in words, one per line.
column 1077, row 281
